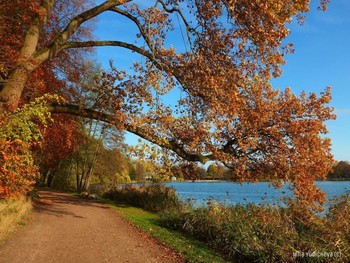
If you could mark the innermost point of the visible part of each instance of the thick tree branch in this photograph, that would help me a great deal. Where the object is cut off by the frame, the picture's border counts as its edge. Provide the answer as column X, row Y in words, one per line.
column 108, row 118
column 161, row 65
column 56, row 45
column 113, row 43
column 122, row 44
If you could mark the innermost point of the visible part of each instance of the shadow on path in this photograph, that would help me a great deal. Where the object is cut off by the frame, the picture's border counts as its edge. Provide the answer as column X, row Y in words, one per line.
column 55, row 203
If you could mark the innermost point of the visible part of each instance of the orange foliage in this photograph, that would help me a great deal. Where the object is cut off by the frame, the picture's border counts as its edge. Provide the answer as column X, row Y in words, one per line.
column 61, row 139
column 13, row 15
column 17, row 172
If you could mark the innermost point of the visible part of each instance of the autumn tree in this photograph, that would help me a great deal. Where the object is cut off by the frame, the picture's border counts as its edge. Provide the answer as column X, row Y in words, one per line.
column 27, row 27
column 18, row 134
column 226, row 109
column 215, row 171
column 52, row 77
column 187, row 170
column 61, row 139
column 341, row 170
column 111, row 167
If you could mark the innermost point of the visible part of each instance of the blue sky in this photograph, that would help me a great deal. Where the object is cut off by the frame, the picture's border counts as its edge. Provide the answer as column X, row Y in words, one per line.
column 321, row 59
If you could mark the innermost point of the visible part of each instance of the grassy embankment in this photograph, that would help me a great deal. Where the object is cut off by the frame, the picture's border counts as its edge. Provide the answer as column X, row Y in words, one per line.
column 12, row 214
column 241, row 233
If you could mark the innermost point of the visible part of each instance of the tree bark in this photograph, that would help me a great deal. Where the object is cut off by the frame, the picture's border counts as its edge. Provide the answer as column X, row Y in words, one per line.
column 50, row 177
column 26, row 63
column 12, row 90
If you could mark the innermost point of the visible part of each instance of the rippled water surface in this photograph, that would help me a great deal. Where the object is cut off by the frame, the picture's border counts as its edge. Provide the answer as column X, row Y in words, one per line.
column 232, row 193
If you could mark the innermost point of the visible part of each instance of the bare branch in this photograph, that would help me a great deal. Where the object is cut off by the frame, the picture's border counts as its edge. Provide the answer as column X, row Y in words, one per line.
column 138, row 24
column 173, row 10
column 189, row 29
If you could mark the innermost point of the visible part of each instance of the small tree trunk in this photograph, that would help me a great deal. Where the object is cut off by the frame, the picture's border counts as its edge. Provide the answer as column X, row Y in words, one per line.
column 51, row 177
column 67, row 178
column 44, row 175
column 86, row 183
column 77, row 174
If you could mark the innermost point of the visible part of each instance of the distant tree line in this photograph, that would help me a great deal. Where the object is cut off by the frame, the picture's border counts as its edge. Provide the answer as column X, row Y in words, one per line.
column 102, row 159
column 341, row 171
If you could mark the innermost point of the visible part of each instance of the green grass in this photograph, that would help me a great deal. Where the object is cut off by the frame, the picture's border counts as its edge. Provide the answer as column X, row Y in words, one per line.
column 189, row 249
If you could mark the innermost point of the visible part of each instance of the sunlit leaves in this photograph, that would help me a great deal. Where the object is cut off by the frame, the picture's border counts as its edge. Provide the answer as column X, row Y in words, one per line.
column 17, row 172
column 18, row 133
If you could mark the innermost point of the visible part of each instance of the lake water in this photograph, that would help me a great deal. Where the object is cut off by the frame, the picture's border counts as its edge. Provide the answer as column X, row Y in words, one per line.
column 232, row 193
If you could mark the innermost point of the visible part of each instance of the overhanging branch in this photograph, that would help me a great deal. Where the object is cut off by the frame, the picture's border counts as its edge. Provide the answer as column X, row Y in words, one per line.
column 112, row 43
column 115, row 43
column 109, row 118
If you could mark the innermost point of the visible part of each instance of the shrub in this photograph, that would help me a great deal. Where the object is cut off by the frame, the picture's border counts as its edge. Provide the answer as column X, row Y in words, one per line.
column 17, row 170
column 154, row 197
column 239, row 233
column 339, row 224
column 19, row 131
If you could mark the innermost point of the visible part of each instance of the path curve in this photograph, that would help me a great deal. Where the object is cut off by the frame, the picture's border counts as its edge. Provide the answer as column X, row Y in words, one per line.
column 66, row 228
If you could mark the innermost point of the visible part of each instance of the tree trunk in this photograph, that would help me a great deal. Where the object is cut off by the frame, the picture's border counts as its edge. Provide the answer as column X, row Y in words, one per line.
column 86, row 182
column 30, row 58
column 68, row 176
column 13, row 88
column 77, row 173
column 50, row 178
column 44, row 177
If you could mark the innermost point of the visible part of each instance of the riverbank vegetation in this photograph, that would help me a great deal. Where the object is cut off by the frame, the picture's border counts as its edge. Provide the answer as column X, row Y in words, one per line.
column 251, row 233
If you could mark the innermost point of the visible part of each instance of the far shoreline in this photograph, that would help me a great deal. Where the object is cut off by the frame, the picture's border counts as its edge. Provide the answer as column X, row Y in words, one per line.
column 261, row 181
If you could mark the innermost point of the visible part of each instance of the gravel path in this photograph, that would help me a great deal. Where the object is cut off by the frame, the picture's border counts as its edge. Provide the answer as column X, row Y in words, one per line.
column 67, row 228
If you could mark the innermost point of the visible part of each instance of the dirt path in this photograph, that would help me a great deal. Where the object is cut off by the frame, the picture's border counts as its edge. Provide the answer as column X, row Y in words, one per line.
column 67, row 228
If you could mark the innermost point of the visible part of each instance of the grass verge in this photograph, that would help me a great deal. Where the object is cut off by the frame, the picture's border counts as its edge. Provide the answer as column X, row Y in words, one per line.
column 12, row 214
column 189, row 249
